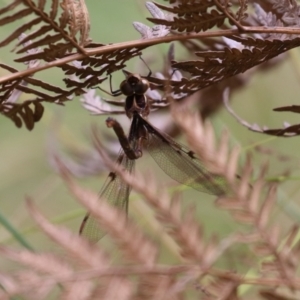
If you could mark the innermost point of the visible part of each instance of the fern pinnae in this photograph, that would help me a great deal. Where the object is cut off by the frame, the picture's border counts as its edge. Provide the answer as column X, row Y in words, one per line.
column 118, row 288
column 243, row 189
column 291, row 238
column 47, row 263
column 159, row 199
column 266, row 207
column 232, row 165
column 256, row 189
column 248, row 211
column 201, row 139
column 78, row 19
column 53, row 10
column 81, row 251
column 131, row 240
column 19, row 31
column 87, row 253
column 77, row 290
column 181, row 227
column 245, row 207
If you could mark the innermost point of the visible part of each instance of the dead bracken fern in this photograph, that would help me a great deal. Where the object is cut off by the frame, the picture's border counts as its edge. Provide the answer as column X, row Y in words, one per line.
column 287, row 130
column 224, row 39
column 87, row 271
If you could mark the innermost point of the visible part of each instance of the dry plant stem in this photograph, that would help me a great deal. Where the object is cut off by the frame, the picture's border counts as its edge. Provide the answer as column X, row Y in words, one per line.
column 229, row 16
column 148, row 42
column 180, row 269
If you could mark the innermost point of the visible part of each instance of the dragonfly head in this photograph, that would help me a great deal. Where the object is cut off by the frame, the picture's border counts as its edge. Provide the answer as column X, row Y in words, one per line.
column 133, row 84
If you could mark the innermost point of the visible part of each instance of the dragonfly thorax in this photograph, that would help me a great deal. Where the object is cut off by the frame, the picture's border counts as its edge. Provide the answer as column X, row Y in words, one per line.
column 135, row 87
column 137, row 104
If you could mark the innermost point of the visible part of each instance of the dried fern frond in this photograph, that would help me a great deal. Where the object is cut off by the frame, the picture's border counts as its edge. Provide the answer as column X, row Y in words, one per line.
column 78, row 19
column 184, row 229
column 115, row 222
column 156, row 31
column 276, row 252
column 84, row 251
column 47, row 264
column 58, row 45
column 287, row 130
column 47, row 270
column 41, row 17
column 192, row 16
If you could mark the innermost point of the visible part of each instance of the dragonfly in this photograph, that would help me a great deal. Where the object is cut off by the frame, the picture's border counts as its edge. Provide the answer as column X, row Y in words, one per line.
column 175, row 159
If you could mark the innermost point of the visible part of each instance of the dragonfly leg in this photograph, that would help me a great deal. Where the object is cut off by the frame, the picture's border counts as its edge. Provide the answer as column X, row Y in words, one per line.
column 129, row 151
column 150, row 72
column 116, row 92
column 111, row 93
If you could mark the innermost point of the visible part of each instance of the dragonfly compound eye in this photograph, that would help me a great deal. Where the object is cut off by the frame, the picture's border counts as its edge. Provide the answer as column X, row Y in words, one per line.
column 126, row 88
column 141, row 87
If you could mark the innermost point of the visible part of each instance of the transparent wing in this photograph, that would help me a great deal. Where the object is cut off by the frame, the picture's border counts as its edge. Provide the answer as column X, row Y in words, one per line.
column 116, row 192
column 181, row 164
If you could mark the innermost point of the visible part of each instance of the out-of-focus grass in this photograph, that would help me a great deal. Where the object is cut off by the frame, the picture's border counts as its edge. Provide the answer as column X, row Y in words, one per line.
column 24, row 169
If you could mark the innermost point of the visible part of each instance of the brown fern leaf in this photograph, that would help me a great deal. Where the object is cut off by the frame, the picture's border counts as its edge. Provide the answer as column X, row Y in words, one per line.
column 185, row 230
column 88, row 73
column 117, row 288
column 131, row 241
column 80, row 253
column 87, row 253
column 27, row 283
column 91, row 68
column 157, row 287
column 222, row 286
column 23, row 113
column 215, row 66
column 192, row 16
column 287, row 130
column 51, row 265
column 285, row 10
column 190, row 237
column 246, row 208
column 242, row 10
column 201, row 138
column 290, row 244
column 271, row 294
column 49, row 31
column 211, row 98
column 78, row 19
column 44, row 92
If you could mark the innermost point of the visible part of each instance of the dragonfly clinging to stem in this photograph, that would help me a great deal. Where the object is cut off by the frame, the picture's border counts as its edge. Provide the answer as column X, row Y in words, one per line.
column 174, row 159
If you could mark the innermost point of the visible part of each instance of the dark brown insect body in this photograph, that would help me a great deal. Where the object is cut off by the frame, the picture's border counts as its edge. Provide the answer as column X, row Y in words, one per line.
column 173, row 158
column 135, row 87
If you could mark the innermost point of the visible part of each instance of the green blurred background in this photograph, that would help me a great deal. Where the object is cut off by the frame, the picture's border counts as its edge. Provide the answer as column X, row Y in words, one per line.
column 24, row 168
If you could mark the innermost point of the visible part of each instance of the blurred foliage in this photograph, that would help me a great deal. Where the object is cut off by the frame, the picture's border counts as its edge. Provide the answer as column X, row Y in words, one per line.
column 25, row 169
